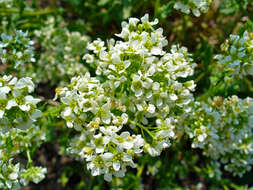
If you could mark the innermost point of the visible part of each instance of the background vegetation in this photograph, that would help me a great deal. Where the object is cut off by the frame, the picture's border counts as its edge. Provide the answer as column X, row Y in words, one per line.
column 52, row 25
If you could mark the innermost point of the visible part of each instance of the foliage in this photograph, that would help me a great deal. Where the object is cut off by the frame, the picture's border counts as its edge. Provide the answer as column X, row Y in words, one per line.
column 139, row 104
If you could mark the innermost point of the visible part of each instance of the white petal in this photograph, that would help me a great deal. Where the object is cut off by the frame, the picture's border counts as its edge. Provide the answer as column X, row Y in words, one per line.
column 70, row 124
column 8, row 184
column 25, row 107
column 151, row 108
column 11, row 103
column 107, row 156
column 173, row 97
column 1, row 114
column 139, row 107
column 120, row 173
column 153, row 152
column 99, row 149
column 145, row 18
column 116, row 166
column 133, row 21
column 138, row 93
column 78, row 127
column 156, row 86
column 201, row 138
column 128, row 145
column 108, row 177
column 36, row 114
column 13, row 176
column 159, row 102
column 106, row 139
column 13, row 81
column 31, row 100
column 5, row 90
column 67, row 112
column 95, row 171
column 156, row 51
column 125, row 134
column 127, row 158
column 107, row 119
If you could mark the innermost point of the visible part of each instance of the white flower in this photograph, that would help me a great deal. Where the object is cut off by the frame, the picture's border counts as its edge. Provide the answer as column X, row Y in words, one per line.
column 137, row 86
column 151, row 108
column 23, row 83
column 195, row 5
column 104, row 113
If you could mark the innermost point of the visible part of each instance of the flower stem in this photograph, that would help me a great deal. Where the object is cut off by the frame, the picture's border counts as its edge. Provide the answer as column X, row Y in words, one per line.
column 27, row 13
column 54, row 111
column 29, row 163
column 210, row 92
column 199, row 77
column 157, row 6
column 249, row 84
column 140, row 170
column 142, row 127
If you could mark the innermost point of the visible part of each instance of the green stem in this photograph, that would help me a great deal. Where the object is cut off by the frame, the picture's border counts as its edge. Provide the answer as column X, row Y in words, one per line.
column 29, row 163
column 55, row 110
column 249, row 84
column 142, row 127
column 139, row 173
column 199, row 77
column 210, row 92
column 54, row 5
column 157, row 6
column 27, row 13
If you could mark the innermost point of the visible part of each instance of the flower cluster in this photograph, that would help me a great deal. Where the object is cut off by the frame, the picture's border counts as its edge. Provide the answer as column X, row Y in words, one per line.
column 61, row 53
column 101, row 143
column 236, row 60
column 34, row 174
column 11, row 144
column 17, row 108
column 137, row 83
column 196, row 6
column 18, row 131
column 16, row 50
column 223, row 129
column 9, row 175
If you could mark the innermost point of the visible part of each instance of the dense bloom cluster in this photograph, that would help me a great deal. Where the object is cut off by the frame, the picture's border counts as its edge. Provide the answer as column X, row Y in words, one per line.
column 9, row 175
column 236, row 60
column 11, row 144
column 17, row 107
column 196, row 6
column 223, row 129
column 18, row 131
column 16, row 50
column 34, row 174
column 62, row 51
column 137, row 82
column 101, row 142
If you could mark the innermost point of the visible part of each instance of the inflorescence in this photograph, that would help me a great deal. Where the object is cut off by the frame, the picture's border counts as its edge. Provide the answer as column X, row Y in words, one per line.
column 196, row 6
column 236, row 60
column 137, row 83
column 223, row 129
column 16, row 50
column 62, row 52
column 18, row 132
